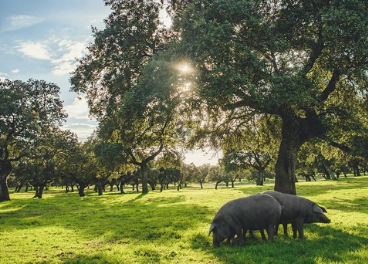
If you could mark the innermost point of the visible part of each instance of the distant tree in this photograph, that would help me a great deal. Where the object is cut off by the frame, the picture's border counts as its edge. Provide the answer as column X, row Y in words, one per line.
column 297, row 60
column 46, row 162
column 79, row 167
column 200, row 172
column 28, row 110
column 252, row 146
column 191, row 172
column 233, row 176
column 169, row 163
column 186, row 172
column 125, row 178
column 216, row 174
column 249, row 159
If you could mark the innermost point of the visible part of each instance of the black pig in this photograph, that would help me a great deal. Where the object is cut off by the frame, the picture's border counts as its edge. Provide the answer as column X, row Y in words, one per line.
column 255, row 212
column 297, row 211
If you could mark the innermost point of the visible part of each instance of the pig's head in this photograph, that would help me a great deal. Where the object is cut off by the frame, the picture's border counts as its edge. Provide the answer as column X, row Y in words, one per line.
column 316, row 215
column 220, row 231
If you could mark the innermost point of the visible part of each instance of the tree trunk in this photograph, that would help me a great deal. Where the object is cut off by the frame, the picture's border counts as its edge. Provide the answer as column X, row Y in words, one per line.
column 287, row 156
column 99, row 188
column 144, row 178
column 121, row 187
column 39, row 191
column 153, row 186
column 81, row 190
column 356, row 170
column 5, row 170
column 36, row 191
column 329, row 173
column 260, row 177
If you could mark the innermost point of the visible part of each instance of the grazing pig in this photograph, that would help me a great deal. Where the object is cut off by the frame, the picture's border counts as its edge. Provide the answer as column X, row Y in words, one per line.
column 255, row 212
column 297, row 211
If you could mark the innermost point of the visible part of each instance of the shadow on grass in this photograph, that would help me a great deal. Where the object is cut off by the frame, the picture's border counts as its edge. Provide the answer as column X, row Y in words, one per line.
column 134, row 220
column 325, row 245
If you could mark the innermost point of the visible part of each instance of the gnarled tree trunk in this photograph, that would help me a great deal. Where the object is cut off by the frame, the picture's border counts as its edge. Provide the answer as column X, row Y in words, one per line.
column 5, row 169
column 285, row 167
column 287, row 157
column 295, row 132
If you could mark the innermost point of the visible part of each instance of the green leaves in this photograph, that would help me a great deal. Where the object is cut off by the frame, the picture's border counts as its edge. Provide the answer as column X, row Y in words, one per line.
column 27, row 111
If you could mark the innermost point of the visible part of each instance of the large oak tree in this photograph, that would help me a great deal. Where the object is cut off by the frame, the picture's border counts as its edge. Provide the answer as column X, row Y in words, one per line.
column 296, row 60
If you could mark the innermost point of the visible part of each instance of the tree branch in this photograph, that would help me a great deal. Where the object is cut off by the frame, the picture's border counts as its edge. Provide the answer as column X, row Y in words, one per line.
column 341, row 146
column 331, row 86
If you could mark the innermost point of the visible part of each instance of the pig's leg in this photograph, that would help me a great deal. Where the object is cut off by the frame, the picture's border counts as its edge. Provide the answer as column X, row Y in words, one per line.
column 285, row 229
column 270, row 231
column 293, row 225
column 263, row 234
column 236, row 227
column 299, row 222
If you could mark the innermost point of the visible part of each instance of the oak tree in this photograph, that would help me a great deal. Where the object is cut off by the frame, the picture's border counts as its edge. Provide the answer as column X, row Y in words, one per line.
column 132, row 89
column 28, row 110
column 290, row 59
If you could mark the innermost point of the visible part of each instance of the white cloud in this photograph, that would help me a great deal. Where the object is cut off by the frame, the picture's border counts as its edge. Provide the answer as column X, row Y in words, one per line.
column 20, row 21
column 15, row 71
column 78, row 110
column 69, row 50
column 36, row 50
column 83, row 130
column 3, row 76
column 199, row 157
column 62, row 53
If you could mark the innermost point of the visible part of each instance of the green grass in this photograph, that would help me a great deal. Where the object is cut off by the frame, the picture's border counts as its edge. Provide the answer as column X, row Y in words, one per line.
column 172, row 227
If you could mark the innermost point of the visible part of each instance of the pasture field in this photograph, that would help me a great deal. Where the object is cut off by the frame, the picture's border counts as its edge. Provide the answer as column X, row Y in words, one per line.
column 172, row 227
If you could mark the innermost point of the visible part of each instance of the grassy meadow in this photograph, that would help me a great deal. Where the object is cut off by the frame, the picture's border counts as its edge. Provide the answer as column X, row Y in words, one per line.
column 172, row 227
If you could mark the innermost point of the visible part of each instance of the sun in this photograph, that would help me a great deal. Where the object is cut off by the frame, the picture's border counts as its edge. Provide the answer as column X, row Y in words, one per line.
column 184, row 67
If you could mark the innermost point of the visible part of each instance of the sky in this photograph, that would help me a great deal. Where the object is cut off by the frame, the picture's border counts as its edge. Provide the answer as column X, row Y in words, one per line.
column 41, row 39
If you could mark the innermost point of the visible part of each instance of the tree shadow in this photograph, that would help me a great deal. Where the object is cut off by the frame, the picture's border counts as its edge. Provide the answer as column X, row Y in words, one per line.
column 99, row 223
column 325, row 244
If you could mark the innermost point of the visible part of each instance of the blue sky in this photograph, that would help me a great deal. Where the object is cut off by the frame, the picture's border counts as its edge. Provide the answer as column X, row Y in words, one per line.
column 40, row 39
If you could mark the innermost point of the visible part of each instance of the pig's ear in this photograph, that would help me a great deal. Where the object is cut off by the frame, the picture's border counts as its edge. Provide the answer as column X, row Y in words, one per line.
column 317, row 209
column 323, row 209
column 213, row 226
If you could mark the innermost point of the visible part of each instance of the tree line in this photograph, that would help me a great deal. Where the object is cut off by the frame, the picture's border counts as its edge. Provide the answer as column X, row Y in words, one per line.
column 261, row 80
